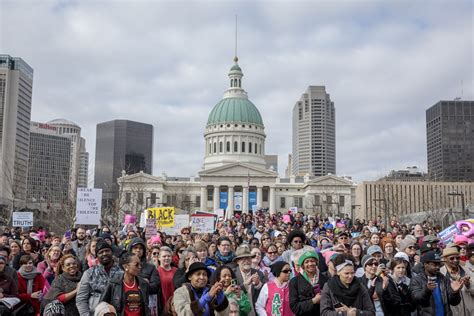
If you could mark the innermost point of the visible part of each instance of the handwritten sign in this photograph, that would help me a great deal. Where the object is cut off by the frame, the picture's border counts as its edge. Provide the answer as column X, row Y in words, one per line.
column 164, row 216
column 150, row 229
column 22, row 219
column 202, row 223
column 88, row 206
column 180, row 221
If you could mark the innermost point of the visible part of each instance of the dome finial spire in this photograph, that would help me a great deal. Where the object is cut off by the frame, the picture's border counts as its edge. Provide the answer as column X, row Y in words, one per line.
column 236, row 59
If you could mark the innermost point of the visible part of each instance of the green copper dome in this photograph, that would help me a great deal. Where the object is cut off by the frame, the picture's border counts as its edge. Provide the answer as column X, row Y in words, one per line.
column 235, row 110
column 236, row 67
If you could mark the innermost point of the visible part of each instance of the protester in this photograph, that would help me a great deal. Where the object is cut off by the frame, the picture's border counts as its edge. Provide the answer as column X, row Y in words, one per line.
column 196, row 298
column 187, row 258
column 95, row 280
column 274, row 297
column 15, row 246
column 90, row 256
column 31, row 284
column 79, row 245
column 295, row 240
column 64, row 287
column 8, row 286
column 166, row 273
column 433, row 293
column 8, row 270
column 232, row 290
column 305, row 288
column 48, row 266
column 224, row 253
column 202, row 255
column 128, row 292
column 398, row 269
column 29, row 246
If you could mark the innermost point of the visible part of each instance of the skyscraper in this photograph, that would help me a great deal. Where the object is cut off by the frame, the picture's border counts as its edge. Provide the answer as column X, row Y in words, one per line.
column 450, row 140
column 49, row 165
column 16, row 88
column 121, row 145
column 314, row 134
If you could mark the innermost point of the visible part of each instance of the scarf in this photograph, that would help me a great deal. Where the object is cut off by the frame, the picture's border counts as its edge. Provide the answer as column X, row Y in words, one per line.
column 267, row 262
column 313, row 281
column 341, row 293
column 100, row 278
column 29, row 277
column 64, row 283
column 225, row 259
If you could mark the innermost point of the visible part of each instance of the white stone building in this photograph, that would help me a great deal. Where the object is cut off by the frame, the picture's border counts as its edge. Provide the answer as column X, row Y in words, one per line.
column 233, row 176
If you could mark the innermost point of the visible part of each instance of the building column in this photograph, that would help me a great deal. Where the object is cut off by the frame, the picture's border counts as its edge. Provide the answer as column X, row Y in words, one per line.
column 230, row 202
column 272, row 201
column 203, row 206
column 245, row 199
column 259, row 196
column 216, row 197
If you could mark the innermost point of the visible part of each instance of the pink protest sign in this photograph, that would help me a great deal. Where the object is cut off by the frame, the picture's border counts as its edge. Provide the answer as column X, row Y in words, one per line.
column 130, row 219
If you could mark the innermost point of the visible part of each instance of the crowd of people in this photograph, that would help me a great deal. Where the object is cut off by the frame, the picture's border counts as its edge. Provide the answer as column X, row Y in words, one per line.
column 261, row 264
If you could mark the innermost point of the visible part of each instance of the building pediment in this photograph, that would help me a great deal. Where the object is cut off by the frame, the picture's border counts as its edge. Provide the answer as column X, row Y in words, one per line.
column 238, row 169
column 330, row 180
column 140, row 177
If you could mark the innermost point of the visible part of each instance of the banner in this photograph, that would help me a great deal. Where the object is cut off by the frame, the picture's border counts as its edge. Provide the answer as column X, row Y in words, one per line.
column 164, row 216
column 88, row 206
column 180, row 221
column 252, row 199
column 223, row 202
column 238, row 201
column 202, row 223
column 22, row 219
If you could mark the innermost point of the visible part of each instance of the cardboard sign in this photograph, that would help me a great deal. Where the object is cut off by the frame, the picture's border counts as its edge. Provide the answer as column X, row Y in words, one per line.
column 88, row 206
column 22, row 219
column 150, row 229
column 202, row 223
column 164, row 216
column 180, row 221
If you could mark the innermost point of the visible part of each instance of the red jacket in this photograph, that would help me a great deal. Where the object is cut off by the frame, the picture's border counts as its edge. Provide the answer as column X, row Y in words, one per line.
column 39, row 284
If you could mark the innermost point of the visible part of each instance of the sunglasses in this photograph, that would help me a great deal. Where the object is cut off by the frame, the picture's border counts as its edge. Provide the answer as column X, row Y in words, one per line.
column 155, row 253
column 184, row 233
column 263, row 239
column 271, row 252
column 372, row 264
column 286, row 271
column 411, row 247
column 454, row 258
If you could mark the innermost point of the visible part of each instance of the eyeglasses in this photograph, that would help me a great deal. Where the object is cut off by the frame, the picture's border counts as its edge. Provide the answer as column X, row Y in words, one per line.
column 186, row 233
column 286, row 271
column 271, row 252
column 70, row 264
column 372, row 264
column 454, row 258
column 155, row 253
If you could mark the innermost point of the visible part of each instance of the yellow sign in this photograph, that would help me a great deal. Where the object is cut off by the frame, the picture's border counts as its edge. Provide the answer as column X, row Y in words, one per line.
column 164, row 216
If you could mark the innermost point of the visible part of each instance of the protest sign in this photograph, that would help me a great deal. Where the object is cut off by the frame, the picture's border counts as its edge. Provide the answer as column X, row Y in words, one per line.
column 180, row 221
column 447, row 235
column 22, row 219
column 88, row 206
column 150, row 229
column 219, row 213
column 293, row 210
column 164, row 216
column 129, row 219
column 202, row 223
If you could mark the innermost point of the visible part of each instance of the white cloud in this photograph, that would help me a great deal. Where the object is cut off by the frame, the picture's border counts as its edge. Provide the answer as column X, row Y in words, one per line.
column 166, row 63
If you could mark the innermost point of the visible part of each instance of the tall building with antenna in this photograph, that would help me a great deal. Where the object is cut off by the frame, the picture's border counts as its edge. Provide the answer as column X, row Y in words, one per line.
column 450, row 140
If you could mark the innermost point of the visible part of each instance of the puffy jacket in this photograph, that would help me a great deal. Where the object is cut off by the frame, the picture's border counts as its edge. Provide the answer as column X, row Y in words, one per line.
column 115, row 295
column 423, row 299
column 388, row 297
column 301, row 294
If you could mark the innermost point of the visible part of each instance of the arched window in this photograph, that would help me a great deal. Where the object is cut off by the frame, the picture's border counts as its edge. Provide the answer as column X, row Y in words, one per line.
column 231, row 83
column 215, row 147
column 227, row 147
column 250, row 148
column 236, row 147
column 221, row 147
column 255, row 147
column 243, row 147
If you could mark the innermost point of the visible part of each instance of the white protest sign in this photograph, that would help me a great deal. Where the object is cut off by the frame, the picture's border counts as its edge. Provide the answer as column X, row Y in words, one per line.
column 22, row 219
column 88, row 206
column 202, row 223
column 293, row 210
column 150, row 229
column 180, row 221
column 219, row 213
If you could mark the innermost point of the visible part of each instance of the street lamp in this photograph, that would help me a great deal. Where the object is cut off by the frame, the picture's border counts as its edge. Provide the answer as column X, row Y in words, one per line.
column 463, row 206
column 385, row 209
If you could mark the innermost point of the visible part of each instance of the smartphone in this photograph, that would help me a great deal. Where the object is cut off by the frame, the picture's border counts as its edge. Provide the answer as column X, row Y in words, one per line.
column 316, row 289
column 67, row 234
column 338, row 305
column 233, row 282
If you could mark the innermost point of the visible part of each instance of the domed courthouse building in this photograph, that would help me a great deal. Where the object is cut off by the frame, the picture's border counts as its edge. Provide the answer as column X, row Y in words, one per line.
column 234, row 176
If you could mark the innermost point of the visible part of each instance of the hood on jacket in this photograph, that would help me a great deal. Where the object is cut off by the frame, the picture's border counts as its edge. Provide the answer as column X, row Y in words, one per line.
column 137, row 241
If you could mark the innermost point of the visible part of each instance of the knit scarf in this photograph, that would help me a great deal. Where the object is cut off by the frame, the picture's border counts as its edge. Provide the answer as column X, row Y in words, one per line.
column 267, row 262
column 312, row 281
column 64, row 283
column 343, row 294
column 225, row 259
column 29, row 277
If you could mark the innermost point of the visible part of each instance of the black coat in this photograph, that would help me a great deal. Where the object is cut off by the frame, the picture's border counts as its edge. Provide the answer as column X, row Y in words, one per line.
column 363, row 303
column 388, row 297
column 115, row 295
column 423, row 299
column 301, row 294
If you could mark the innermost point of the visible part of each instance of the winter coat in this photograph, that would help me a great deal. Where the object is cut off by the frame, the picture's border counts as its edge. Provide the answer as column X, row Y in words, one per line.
column 423, row 297
column 39, row 284
column 388, row 297
column 186, row 303
column 148, row 270
column 363, row 303
column 406, row 306
column 466, row 307
column 115, row 294
column 301, row 294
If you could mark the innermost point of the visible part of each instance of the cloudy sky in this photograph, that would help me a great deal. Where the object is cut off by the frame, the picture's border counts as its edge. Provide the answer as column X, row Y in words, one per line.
column 166, row 62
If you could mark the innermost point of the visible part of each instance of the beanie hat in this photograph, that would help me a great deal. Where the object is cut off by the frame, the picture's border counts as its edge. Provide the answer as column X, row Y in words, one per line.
column 277, row 267
column 55, row 308
column 307, row 255
column 366, row 259
column 374, row 249
column 102, row 245
column 103, row 308
column 403, row 256
column 106, row 236
column 405, row 243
